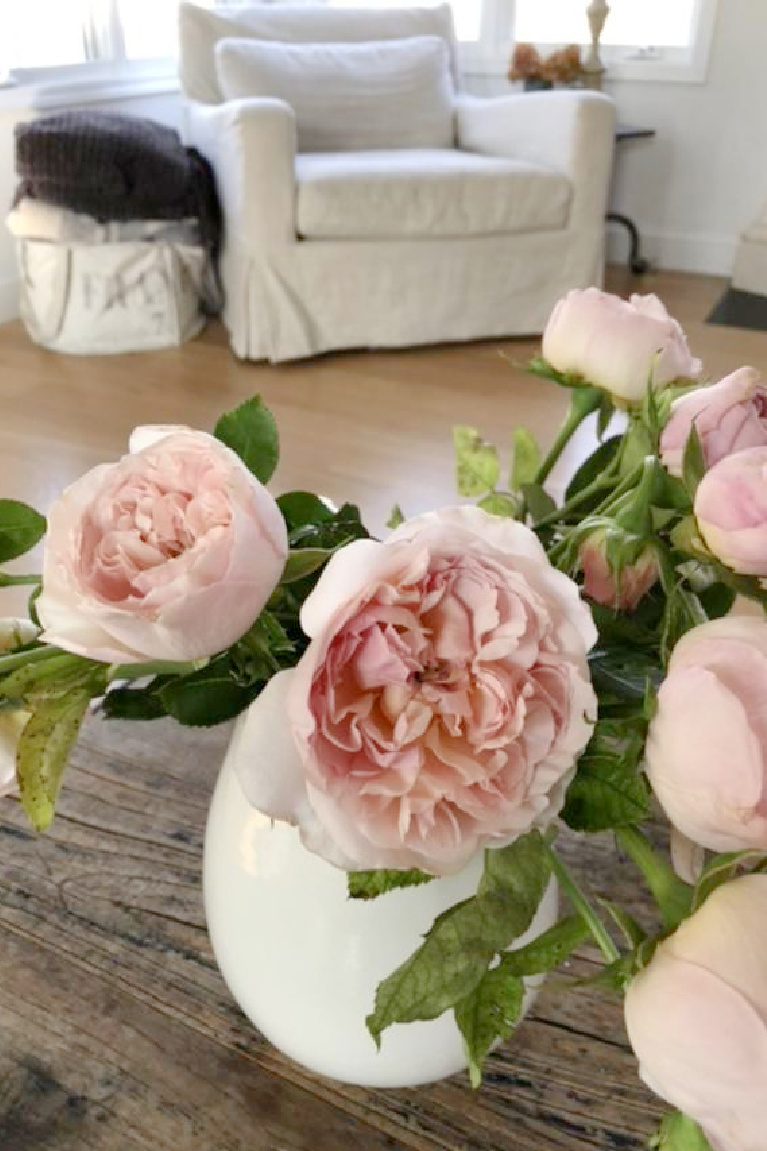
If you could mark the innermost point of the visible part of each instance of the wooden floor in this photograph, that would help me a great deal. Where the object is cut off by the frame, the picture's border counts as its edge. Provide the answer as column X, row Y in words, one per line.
column 371, row 427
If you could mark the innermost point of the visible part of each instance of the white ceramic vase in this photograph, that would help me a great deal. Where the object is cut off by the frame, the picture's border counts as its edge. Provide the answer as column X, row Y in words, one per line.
column 303, row 960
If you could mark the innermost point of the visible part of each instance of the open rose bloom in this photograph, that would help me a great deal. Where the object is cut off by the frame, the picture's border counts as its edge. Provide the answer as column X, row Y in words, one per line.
column 441, row 705
column 169, row 554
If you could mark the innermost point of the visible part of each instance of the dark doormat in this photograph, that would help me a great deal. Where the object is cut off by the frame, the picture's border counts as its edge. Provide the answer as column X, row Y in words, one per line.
column 738, row 309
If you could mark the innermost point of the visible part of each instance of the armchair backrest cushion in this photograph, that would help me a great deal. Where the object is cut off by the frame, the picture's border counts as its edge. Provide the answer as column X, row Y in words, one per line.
column 349, row 97
column 200, row 29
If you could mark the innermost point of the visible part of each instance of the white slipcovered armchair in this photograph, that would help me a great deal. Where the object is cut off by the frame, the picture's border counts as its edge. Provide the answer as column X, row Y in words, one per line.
column 389, row 248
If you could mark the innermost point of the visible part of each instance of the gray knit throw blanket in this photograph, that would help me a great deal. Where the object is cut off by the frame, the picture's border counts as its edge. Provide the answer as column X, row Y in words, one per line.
column 115, row 167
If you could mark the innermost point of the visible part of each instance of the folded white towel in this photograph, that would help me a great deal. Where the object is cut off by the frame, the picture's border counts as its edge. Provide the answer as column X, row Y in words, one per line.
column 38, row 220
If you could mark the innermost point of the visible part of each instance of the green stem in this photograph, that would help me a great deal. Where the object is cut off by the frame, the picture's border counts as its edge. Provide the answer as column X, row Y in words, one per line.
column 584, row 908
column 16, row 580
column 583, row 496
column 584, row 401
column 674, row 898
column 18, row 659
column 154, row 667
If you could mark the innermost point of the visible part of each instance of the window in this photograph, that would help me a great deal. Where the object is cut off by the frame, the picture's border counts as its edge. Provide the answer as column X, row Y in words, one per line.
column 38, row 34
column 649, row 39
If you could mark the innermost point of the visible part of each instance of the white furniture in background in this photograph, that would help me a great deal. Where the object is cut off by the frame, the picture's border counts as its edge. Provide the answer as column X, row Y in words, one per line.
column 392, row 246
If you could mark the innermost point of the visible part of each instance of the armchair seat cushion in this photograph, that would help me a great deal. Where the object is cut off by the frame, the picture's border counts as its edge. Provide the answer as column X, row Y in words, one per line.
column 434, row 193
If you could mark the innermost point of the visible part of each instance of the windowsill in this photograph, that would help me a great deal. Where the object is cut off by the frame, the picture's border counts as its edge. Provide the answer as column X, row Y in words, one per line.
column 617, row 70
column 46, row 89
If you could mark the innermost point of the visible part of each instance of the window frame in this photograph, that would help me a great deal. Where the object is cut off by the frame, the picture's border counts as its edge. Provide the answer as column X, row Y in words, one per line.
column 59, row 85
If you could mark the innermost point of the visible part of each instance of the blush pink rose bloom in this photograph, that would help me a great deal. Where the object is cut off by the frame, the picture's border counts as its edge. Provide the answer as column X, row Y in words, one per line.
column 618, row 345
column 441, row 705
column 729, row 417
column 697, row 1017
column 13, row 634
column 623, row 591
column 706, row 753
column 168, row 554
column 730, row 508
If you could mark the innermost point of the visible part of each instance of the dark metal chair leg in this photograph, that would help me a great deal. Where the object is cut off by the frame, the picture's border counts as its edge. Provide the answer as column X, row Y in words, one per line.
column 638, row 264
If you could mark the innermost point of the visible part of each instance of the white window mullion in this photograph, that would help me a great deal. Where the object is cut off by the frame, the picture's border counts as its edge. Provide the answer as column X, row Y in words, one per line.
column 102, row 30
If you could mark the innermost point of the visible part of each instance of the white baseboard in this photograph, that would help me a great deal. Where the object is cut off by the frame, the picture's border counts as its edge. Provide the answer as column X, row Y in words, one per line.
column 677, row 251
column 9, row 300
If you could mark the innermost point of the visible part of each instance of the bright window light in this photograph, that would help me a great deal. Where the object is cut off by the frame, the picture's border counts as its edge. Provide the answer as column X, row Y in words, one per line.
column 40, row 35
column 150, row 28
column 466, row 13
column 638, row 23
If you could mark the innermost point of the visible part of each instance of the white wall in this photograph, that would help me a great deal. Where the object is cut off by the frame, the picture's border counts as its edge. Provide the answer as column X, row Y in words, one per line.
column 691, row 190
column 703, row 179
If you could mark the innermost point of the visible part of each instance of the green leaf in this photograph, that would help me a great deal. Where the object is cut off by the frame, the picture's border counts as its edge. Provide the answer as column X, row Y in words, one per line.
column 396, row 518
column 135, row 703
column 490, row 1013
column 594, row 468
column 608, row 790
column 606, row 411
column 250, row 431
column 370, row 884
column 550, row 948
column 459, row 946
column 498, row 505
column 693, row 462
column 717, row 600
column 526, row 459
column 678, row 1132
column 683, row 612
column 301, row 508
column 477, row 468
column 206, row 697
column 21, row 527
column 624, row 671
column 518, row 875
column 539, row 502
column 303, row 562
column 43, row 752
column 446, row 967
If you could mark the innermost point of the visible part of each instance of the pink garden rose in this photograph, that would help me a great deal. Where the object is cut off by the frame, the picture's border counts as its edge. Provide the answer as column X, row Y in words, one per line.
column 170, row 554
column 731, row 511
column 600, row 583
column 728, row 417
column 706, row 753
column 13, row 633
column 697, row 1017
column 441, row 705
column 618, row 345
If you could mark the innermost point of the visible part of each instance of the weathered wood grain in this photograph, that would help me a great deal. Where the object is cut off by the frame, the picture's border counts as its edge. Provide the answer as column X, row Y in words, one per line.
column 116, row 1030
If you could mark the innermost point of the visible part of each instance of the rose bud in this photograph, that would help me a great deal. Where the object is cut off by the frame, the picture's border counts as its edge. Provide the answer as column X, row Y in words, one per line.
column 730, row 507
column 697, row 1017
column 616, row 584
column 706, row 753
column 619, row 345
column 169, row 554
column 441, row 705
column 728, row 417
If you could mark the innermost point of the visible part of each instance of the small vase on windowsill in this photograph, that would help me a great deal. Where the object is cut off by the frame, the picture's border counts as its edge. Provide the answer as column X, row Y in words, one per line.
column 303, row 960
column 538, row 84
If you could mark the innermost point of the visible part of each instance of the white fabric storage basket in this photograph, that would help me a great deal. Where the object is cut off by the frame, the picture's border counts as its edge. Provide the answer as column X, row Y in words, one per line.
column 101, row 298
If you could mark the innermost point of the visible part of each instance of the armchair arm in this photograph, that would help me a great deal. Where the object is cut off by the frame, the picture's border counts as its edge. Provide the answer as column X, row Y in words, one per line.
column 251, row 145
column 572, row 132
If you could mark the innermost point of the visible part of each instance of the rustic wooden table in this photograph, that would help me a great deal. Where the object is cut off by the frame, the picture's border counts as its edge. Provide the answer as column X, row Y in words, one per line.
column 117, row 1032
